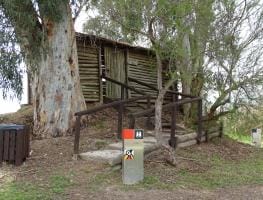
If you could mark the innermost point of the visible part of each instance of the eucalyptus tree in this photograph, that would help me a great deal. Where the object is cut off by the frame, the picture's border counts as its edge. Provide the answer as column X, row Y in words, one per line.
column 234, row 58
column 167, row 26
column 41, row 33
column 214, row 47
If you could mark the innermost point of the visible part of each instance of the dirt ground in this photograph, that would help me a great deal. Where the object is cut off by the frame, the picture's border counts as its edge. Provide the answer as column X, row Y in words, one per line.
column 54, row 156
column 93, row 180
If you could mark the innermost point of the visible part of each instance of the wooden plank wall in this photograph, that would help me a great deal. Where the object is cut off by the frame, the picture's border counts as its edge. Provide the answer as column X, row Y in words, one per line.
column 115, row 69
column 119, row 64
column 143, row 68
column 88, row 57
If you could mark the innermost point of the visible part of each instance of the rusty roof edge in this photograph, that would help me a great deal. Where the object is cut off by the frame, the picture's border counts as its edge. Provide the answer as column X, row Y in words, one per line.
column 110, row 41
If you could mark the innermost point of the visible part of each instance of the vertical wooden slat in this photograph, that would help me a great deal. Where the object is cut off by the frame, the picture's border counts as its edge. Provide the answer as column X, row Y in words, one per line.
column 115, row 63
column 1, row 146
column 120, row 120
column 126, row 71
column 12, row 136
column 100, row 74
column 19, row 148
column 6, row 144
column 24, row 149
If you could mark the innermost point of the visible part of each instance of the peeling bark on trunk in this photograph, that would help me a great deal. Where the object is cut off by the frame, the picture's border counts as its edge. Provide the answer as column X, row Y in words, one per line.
column 159, row 101
column 56, row 86
column 158, row 118
column 187, row 73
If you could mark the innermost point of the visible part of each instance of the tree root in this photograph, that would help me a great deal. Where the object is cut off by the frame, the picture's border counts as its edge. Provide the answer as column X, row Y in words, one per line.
column 170, row 156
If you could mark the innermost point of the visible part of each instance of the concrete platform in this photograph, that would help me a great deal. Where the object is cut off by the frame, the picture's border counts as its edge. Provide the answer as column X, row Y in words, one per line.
column 113, row 152
column 112, row 157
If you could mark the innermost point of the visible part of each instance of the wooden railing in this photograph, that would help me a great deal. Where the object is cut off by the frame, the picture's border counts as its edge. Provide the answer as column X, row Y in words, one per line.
column 186, row 98
column 156, row 89
column 120, row 104
column 173, row 106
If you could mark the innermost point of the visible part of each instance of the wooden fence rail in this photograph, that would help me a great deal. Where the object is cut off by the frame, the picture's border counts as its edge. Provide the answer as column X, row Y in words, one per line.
column 172, row 106
column 120, row 104
column 156, row 89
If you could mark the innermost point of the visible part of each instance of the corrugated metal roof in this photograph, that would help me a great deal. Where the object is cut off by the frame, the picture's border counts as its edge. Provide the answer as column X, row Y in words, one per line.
column 101, row 40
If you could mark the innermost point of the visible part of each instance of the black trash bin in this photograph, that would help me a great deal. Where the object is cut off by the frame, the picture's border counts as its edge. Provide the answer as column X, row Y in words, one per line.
column 14, row 143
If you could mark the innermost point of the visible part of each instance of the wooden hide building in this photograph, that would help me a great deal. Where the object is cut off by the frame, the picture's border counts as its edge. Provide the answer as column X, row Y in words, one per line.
column 120, row 61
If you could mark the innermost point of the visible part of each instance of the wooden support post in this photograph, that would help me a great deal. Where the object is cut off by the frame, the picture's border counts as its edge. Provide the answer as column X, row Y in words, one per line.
column 77, row 136
column 173, row 125
column 132, row 122
column 206, row 136
column 120, row 120
column 199, row 137
column 148, row 122
column 221, row 130
column 122, row 92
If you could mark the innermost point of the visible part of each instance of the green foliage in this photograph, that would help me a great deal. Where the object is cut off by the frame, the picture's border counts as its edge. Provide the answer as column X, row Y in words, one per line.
column 10, row 59
column 21, row 191
column 203, row 41
column 51, row 9
column 59, row 184
column 215, row 172
column 22, row 38
column 226, row 174
column 239, row 124
column 27, row 191
column 244, row 138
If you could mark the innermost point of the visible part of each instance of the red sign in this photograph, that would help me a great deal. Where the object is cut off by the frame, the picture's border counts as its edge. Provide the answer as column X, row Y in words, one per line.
column 127, row 134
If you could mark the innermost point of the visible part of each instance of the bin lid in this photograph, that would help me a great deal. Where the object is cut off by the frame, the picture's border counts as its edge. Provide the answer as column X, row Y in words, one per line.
column 11, row 127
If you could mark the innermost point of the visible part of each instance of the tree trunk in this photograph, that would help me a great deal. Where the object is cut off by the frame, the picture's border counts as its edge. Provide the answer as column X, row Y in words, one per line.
column 186, row 73
column 158, row 117
column 56, row 86
column 159, row 101
column 170, row 152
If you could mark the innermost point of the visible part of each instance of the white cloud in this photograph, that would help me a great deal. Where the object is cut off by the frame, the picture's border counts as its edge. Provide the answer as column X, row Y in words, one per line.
column 12, row 105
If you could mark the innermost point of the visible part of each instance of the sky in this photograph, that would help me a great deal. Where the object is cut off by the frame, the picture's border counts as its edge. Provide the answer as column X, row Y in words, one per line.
column 12, row 105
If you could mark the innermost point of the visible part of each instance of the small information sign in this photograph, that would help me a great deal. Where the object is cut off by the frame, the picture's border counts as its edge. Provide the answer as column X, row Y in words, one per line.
column 138, row 134
column 133, row 156
column 129, row 154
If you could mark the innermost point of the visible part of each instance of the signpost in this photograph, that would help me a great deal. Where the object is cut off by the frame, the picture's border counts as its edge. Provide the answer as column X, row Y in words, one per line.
column 256, row 137
column 133, row 156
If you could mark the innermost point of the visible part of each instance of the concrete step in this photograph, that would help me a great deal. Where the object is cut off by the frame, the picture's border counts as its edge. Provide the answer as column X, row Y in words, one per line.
column 112, row 157
column 113, row 153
